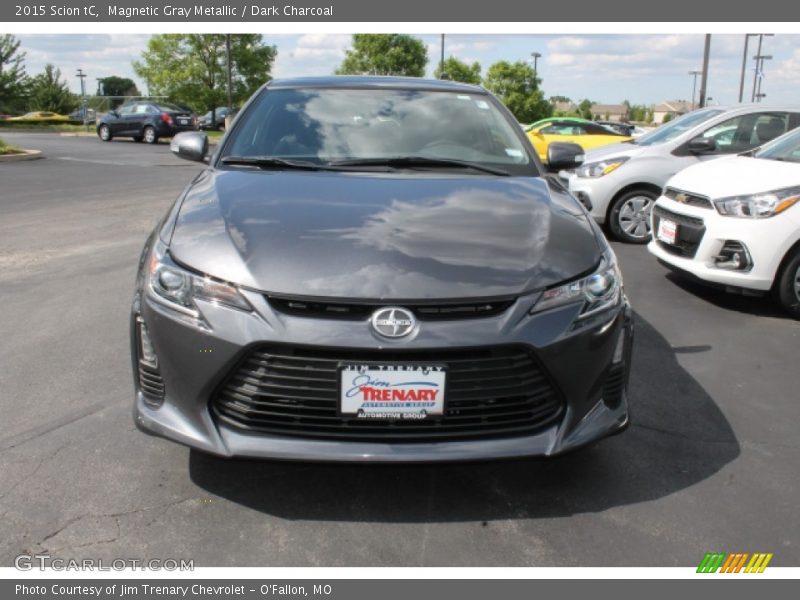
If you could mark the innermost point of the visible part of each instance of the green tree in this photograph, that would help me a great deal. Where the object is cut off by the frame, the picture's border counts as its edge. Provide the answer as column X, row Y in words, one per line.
column 118, row 86
column 585, row 109
column 49, row 92
column 517, row 87
column 191, row 69
column 385, row 54
column 457, row 70
column 13, row 79
column 554, row 99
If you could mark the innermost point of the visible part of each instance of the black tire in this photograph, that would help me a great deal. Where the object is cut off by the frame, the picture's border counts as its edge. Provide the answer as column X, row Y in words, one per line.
column 629, row 216
column 787, row 285
column 104, row 133
column 150, row 135
column 137, row 138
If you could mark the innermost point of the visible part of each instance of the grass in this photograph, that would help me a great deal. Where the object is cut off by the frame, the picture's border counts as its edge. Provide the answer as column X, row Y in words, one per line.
column 5, row 149
column 11, row 125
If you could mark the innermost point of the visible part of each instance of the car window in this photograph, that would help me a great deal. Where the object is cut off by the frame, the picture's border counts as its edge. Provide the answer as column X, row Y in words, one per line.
column 164, row 107
column 563, row 129
column 142, row 109
column 325, row 125
column 678, row 126
column 747, row 131
column 786, row 148
column 126, row 110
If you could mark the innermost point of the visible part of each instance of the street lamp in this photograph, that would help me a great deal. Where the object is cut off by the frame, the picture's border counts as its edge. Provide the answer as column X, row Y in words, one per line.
column 760, row 74
column 694, row 83
column 747, row 37
column 536, row 56
column 81, row 75
column 759, row 64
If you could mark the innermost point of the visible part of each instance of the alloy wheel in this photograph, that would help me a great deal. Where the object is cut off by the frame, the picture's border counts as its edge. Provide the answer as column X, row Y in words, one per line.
column 634, row 216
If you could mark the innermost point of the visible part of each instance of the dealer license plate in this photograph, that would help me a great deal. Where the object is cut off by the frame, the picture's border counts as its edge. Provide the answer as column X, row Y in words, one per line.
column 391, row 391
column 667, row 231
column 183, row 121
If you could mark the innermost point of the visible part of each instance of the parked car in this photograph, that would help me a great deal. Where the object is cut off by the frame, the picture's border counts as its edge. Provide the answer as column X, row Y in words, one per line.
column 617, row 127
column 40, row 115
column 145, row 121
column 218, row 123
column 587, row 134
column 733, row 222
column 377, row 269
column 619, row 184
column 83, row 115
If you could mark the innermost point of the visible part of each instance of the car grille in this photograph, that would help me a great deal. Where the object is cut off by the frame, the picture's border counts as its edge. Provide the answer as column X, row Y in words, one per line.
column 301, row 307
column 491, row 392
column 690, row 232
column 150, row 382
column 687, row 198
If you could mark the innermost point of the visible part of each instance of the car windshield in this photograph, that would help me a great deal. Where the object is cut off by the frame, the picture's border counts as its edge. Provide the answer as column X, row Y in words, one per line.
column 674, row 128
column 324, row 126
column 785, row 148
column 169, row 107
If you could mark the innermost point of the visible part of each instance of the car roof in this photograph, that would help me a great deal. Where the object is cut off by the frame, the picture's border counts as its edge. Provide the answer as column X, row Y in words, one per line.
column 375, row 81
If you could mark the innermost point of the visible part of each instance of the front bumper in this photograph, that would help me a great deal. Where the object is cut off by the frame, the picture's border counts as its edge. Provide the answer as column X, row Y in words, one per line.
column 195, row 361
column 594, row 193
column 766, row 240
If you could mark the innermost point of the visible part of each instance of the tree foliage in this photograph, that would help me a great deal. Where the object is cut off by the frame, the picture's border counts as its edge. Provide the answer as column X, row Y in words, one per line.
column 385, row 54
column 191, row 69
column 517, row 87
column 585, row 108
column 458, row 70
column 118, row 86
column 49, row 92
column 13, row 79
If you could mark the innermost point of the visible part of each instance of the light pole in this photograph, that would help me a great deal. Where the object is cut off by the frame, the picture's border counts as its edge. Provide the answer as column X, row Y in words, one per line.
column 81, row 75
column 760, row 75
column 704, row 78
column 694, row 83
column 747, row 37
column 536, row 56
column 441, row 61
column 759, row 63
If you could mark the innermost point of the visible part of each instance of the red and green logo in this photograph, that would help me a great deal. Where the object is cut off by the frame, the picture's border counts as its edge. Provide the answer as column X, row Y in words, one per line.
column 739, row 562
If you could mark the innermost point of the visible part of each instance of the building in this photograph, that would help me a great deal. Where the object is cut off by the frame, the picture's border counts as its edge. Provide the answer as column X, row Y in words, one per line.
column 673, row 108
column 610, row 112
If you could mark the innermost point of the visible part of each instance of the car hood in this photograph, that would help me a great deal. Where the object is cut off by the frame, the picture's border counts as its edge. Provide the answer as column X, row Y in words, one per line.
column 613, row 151
column 381, row 236
column 734, row 175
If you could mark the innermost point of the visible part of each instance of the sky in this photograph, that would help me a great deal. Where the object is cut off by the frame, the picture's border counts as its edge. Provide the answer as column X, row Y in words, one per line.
column 606, row 68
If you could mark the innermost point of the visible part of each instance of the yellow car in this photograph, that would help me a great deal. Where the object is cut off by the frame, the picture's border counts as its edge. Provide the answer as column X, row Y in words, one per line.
column 40, row 115
column 585, row 133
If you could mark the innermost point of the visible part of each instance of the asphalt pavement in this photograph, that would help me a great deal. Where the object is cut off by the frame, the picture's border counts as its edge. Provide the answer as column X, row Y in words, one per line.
column 709, row 463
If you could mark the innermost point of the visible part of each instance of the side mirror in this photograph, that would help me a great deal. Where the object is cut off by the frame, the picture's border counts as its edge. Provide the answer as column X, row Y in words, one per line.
column 190, row 145
column 702, row 145
column 564, row 155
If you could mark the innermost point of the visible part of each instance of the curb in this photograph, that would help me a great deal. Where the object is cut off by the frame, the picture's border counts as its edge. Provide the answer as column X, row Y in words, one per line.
column 27, row 155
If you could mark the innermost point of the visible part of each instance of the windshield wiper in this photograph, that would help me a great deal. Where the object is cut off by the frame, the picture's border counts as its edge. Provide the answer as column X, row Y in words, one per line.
column 272, row 162
column 417, row 161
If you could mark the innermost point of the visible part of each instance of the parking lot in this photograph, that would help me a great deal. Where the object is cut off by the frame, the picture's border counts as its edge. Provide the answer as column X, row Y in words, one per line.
column 709, row 462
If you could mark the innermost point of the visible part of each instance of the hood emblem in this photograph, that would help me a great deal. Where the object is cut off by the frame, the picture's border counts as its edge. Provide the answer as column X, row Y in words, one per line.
column 393, row 322
column 682, row 198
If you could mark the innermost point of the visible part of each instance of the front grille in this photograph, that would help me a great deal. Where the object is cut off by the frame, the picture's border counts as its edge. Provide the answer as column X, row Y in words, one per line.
column 301, row 307
column 690, row 232
column 150, row 382
column 490, row 392
column 687, row 198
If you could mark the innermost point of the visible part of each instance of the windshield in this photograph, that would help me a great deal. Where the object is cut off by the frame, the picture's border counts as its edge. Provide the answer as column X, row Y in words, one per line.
column 674, row 128
column 332, row 125
column 786, row 147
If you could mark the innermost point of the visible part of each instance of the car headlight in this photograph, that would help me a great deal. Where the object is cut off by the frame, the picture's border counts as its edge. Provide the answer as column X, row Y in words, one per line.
column 599, row 169
column 597, row 292
column 758, row 206
column 178, row 288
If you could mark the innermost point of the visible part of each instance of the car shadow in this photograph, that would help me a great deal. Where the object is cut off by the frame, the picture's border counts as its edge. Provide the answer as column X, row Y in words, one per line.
column 761, row 306
column 678, row 437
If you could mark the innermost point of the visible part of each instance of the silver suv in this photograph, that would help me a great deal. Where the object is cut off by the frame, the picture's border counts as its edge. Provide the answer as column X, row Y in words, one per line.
column 618, row 184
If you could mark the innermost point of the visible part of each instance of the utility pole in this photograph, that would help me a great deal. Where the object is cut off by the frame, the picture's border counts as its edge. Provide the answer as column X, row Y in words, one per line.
column 536, row 56
column 704, row 79
column 747, row 37
column 81, row 75
column 441, row 61
column 230, row 70
column 757, row 74
column 694, row 84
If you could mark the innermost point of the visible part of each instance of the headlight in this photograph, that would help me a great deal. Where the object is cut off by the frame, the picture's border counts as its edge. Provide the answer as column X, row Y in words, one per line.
column 179, row 288
column 758, row 206
column 604, row 167
column 597, row 292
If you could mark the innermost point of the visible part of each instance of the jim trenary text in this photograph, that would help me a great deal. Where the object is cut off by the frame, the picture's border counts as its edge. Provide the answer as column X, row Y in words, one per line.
column 122, row 590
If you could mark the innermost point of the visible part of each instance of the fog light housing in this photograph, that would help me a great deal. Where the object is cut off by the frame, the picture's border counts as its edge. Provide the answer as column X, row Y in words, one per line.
column 734, row 256
column 584, row 199
column 151, row 383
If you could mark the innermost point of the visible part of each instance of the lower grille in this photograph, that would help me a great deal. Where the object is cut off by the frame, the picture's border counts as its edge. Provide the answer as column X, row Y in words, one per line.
column 491, row 392
column 614, row 386
column 690, row 232
column 151, row 382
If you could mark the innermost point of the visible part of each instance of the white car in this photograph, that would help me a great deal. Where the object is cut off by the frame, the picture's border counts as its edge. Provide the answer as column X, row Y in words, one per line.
column 734, row 222
column 619, row 183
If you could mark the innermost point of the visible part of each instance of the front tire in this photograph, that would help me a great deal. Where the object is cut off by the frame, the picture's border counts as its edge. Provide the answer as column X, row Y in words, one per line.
column 787, row 286
column 629, row 217
column 104, row 133
column 150, row 135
